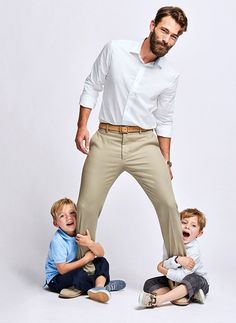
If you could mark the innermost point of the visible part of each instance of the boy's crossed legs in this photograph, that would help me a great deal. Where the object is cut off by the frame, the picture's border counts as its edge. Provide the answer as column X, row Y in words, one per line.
column 78, row 282
column 157, row 290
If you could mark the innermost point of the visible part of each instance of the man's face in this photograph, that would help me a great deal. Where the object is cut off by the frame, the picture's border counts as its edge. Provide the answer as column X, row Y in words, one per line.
column 190, row 229
column 163, row 36
column 66, row 219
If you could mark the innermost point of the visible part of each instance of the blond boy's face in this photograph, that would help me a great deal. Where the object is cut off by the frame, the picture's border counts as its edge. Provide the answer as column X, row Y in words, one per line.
column 66, row 219
column 190, row 229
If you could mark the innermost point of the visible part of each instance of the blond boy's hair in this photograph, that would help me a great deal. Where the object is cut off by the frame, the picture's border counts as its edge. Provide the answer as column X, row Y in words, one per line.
column 188, row 213
column 58, row 204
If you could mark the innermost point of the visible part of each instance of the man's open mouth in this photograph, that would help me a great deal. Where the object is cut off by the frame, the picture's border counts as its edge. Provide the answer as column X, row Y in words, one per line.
column 69, row 223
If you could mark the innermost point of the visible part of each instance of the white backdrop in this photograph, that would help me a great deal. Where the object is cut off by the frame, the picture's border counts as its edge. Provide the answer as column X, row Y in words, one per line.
column 47, row 49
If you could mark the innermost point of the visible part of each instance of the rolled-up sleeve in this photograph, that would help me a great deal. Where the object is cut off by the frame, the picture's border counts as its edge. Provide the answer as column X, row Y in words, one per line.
column 165, row 110
column 178, row 274
column 95, row 81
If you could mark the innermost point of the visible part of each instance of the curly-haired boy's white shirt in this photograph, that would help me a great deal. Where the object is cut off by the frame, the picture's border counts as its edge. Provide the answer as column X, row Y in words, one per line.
column 176, row 272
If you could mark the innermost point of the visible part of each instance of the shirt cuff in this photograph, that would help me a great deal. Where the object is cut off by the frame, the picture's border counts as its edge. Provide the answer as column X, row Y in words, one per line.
column 88, row 101
column 164, row 131
column 171, row 263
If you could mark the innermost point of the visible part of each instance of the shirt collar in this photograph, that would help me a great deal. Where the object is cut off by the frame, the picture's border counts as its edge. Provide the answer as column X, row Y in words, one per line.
column 65, row 235
column 136, row 48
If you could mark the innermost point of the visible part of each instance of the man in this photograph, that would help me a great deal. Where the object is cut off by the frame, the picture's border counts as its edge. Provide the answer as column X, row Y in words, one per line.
column 139, row 89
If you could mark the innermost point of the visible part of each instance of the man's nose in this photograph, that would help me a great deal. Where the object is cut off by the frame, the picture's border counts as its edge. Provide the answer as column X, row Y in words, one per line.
column 166, row 39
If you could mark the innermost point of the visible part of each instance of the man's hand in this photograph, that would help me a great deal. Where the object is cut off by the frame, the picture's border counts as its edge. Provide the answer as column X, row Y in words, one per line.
column 84, row 240
column 82, row 140
column 162, row 269
column 186, row 262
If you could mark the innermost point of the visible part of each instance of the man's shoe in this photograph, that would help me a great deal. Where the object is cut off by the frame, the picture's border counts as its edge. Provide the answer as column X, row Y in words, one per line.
column 115, row 285
column 199, row 297
column 70, row 292
column 147, row 300
column 181, row 301
column 99, row 294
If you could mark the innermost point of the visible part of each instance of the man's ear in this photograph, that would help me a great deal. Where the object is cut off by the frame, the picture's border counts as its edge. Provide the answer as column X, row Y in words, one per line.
column 200, row 233
column 152, row 25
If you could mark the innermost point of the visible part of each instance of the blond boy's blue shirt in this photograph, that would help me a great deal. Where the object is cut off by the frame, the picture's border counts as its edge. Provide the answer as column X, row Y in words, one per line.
column 62, row 249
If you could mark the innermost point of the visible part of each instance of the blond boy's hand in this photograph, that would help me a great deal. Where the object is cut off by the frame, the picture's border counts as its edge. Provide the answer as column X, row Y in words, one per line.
column 89, row 256
column 84, row 240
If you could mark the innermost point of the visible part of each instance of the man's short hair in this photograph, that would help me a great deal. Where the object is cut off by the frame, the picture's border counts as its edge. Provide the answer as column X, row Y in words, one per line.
column 174, row 12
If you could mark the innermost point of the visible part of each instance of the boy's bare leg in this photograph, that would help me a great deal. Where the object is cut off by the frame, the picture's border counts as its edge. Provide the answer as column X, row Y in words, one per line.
column 161, row 291
column 100, row 281
column 174, row 294
column 181, row 301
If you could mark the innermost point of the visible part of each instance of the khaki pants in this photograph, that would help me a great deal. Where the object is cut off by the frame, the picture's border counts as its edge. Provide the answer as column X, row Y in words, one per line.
column 112, row 153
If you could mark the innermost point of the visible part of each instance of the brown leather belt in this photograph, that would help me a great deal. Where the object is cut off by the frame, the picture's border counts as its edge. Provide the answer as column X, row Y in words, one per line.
column 121, row 129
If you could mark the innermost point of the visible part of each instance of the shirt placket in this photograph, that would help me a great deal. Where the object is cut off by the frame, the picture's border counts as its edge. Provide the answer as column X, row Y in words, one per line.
column 132, row 96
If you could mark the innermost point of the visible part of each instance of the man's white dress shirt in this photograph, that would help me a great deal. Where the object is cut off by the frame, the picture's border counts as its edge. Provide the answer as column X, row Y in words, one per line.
column 134, row 93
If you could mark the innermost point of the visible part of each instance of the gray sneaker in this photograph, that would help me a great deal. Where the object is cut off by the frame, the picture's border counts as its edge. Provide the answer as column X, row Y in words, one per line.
column 99, row 294
column 147, row 300
column 199, row 297
column 115, row 285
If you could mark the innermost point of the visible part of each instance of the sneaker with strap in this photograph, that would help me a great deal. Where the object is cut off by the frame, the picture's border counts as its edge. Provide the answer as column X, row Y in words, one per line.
column 147, row 300
column 115, row 285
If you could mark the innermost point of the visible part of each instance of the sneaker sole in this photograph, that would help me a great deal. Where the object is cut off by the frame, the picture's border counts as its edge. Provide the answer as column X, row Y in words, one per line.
column 99, row 296
column 181, row 302
column 67, row 293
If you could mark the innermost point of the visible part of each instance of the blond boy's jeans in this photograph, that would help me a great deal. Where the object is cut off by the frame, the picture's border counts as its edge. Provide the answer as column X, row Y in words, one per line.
column 112, row 153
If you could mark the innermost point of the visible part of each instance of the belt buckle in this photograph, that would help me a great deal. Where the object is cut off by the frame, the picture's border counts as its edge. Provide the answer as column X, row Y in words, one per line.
column 123, row 129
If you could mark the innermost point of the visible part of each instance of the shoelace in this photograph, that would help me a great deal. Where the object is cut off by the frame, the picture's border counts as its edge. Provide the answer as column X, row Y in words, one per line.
column 152, row 300
column 111, row 287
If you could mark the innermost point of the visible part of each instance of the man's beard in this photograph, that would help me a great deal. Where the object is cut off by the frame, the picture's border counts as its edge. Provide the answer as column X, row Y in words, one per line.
column 157, row 47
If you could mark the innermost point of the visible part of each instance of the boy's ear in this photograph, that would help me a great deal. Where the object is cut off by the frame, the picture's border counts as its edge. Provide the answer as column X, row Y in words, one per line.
column 200, row 233
column 55, row 223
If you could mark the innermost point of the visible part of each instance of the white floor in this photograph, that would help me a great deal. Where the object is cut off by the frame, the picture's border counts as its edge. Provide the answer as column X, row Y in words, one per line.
column 23, row 300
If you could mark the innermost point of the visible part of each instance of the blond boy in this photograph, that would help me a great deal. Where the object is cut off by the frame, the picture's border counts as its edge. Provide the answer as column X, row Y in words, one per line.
column 64, row 273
